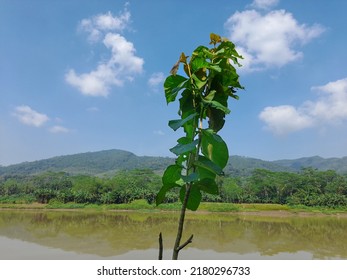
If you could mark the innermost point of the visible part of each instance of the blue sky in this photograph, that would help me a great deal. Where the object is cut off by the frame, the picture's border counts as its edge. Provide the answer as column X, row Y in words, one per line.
column 78, row 76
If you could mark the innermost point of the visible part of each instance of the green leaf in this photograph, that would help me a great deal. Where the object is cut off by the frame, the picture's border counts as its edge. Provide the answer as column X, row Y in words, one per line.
column 172, row 85
column 176, row 124
column 194, row 198
column 205, row 163
column 200, row 52
column 186, row 109
column 190, row 178
column 214, row 148
column 205, row 173
column 182, row 148
column 198, row 82
column 215, row 119
column 162, row 192
column 210, row 96
column 172, row 174
column 207, row 185
column 215, row 67
column 217, row 105
column 198, row 62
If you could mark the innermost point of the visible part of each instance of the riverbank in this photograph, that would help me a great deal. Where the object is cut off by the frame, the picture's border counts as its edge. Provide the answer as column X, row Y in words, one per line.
column 274, row 210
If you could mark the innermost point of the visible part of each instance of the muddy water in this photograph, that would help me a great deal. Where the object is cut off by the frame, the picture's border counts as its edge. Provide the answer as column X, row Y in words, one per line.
column 128, row 235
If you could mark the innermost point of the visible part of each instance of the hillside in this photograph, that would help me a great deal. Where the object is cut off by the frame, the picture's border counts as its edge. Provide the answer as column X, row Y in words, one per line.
column 92, row 163
column 109, row 161
column 337, row 164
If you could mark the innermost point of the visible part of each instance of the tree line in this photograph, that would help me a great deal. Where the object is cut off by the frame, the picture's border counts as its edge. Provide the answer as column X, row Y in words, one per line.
column 309, row 187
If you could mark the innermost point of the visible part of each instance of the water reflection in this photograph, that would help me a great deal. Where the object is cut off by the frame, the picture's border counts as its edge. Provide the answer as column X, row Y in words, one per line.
column 84, row 235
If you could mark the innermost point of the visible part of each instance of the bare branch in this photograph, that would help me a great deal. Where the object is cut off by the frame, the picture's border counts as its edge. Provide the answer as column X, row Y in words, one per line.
column 190, row 240
column 160, row 247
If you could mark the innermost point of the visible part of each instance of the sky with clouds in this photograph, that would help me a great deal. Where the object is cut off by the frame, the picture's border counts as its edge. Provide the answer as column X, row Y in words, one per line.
column 79, row 76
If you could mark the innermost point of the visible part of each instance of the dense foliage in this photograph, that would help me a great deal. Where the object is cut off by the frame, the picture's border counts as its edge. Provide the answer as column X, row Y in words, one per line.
column 309, row 187
column 210, row 80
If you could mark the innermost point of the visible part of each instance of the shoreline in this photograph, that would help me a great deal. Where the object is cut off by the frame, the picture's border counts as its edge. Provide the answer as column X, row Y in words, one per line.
column 242, row 210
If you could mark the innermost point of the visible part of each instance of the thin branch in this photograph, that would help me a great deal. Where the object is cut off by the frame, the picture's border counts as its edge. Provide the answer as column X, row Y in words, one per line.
column 160, row 247
column 190, row 240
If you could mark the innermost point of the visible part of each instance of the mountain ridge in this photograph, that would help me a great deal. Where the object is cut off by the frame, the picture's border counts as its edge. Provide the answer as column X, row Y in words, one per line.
column 108, row 161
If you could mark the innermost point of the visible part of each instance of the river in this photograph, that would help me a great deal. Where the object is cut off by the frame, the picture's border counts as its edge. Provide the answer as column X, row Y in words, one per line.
column 44, row 234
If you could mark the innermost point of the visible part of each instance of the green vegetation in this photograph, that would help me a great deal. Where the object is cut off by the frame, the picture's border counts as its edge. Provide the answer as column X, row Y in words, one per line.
column 211, row 207
column 309, row 187
column 210, row 80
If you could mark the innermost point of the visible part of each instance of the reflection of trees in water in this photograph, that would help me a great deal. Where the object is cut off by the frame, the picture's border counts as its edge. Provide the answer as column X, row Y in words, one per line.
column 113, row 233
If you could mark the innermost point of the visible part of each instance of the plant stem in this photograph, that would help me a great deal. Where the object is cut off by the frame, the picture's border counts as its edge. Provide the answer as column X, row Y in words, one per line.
column 177, row 247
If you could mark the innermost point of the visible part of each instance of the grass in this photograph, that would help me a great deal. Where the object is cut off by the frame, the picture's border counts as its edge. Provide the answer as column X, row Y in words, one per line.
column 143, row 205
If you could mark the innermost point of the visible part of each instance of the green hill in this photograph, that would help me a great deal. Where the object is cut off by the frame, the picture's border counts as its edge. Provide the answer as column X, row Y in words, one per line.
column 92, row 163
column 337, row 164
column 109, row 161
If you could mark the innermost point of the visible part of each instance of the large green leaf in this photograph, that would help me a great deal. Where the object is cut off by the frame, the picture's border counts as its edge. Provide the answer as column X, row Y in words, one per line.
column 172, row 85
column 219, row 106
column 205, row 173
column 176, row 124
column 192, row 177
column 198, row 82
column 182, row 147
column 194, row 197
column 214, row 148
column 162, row 192
column 199, row 62
column 170, row 179
column 204, row 162
column 207, row 185
column 172, row 174
column 215, row 119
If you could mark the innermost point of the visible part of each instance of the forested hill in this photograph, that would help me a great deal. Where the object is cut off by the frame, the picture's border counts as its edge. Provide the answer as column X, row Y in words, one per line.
column 91, row 163
column 109, row 161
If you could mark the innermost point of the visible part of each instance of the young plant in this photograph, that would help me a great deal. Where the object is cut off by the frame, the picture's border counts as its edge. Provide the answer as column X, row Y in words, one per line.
column 210, row 80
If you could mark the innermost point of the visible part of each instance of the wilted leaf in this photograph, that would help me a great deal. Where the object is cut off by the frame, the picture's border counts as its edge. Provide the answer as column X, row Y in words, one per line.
column 183, row 58
column 215, row 38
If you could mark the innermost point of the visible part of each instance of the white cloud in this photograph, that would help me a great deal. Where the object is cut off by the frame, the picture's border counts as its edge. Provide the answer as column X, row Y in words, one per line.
column 264, row 4
column 94, row 83
column 269, row 40
column 123, row 58
column 28, row 116
column 122, row 65
column 332, row 103
column 330, row 108
column 98, row 24
column 156, row 80
column 58, row 129
column 284, row 119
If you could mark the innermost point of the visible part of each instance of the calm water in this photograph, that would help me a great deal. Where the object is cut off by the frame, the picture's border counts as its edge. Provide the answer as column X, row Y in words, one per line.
column 119, row 235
